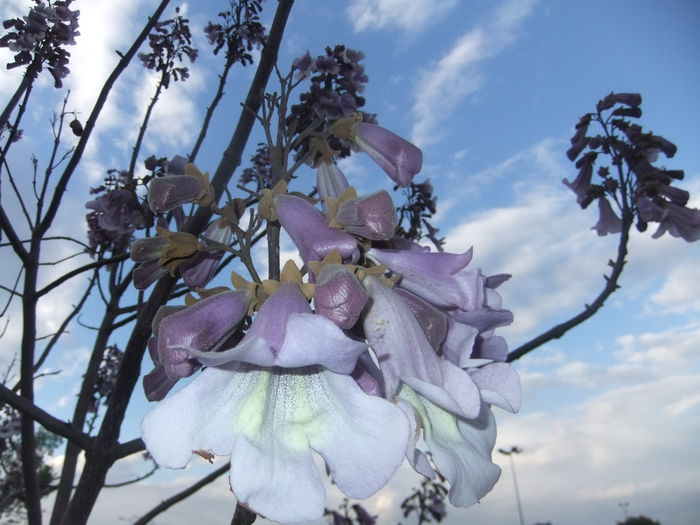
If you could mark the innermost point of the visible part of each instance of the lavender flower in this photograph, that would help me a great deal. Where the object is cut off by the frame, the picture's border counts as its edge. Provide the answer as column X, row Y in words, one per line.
column 400, row 159
column 309, row 230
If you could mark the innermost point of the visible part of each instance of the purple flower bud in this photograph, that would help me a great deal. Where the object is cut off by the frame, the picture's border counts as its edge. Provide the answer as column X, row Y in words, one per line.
column 339, row 296
column 203, row 327
column 166, row 193
column 146, row 273
column 310, row 232
column 147, row 249
column 608, row 221
column 176, row 165
column 400, row 159
column 199, row 269
column 330, row 181
column 372, row 216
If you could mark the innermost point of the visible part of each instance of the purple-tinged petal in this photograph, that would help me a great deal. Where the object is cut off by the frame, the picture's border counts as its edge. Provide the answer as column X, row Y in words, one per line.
column 499, row 385
column 204, row 326
column 146, row 273
column 371, row 216
column 169, row 192
column 367, row 375
column 431, row 320
column 200, row 269
column 156, row 384
column 416, row 457
column 284, row 334
column 400, row 159
column 339, row 296
column 460, row 448
column 493, row 348
column 405, row 354
column 608, row 221
column 459, row 342
column 330, row 181
column 484, row 320
column 143, row 250
column 432, row 275
column 309, row 230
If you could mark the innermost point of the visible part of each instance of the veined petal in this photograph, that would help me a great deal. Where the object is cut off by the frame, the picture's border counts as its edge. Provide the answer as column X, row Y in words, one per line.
column 499, row 385
column 269, row 420
column 365, row 439
column 461, row 448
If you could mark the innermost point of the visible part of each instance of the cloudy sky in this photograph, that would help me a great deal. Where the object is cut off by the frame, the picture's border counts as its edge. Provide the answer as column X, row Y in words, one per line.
column 490, row 90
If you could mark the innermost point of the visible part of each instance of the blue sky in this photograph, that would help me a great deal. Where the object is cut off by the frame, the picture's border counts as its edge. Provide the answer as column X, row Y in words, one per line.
column 491, row 91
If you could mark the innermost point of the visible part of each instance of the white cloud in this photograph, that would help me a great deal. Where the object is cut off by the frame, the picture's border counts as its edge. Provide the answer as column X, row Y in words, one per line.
column 407, row 15
column 680, row 292
column 442, row 86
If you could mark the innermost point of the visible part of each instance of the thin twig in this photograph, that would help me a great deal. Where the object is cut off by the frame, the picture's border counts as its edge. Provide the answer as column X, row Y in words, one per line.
column 45, row 419
column 172, row 500
column 610, row 286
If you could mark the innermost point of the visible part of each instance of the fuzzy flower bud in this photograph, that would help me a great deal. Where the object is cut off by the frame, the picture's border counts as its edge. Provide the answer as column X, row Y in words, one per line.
column 372, row 217
column 339, row 296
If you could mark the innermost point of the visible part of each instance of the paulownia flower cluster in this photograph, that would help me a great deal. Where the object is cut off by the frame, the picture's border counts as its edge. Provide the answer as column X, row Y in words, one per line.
column 377, row 351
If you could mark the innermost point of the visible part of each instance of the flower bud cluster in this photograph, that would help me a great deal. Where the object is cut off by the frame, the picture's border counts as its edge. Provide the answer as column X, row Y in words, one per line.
column 116, row 214
column 39, row 37
column 337, row 80
column 633, row 183
column 170, row 41
column 240, row 31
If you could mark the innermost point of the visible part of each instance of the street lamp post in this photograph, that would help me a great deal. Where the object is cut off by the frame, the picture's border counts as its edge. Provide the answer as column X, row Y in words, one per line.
column 510, row 453
column 624, row 506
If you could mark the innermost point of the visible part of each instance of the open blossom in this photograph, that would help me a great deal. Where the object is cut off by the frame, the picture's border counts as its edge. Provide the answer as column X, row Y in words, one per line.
column 266, row 405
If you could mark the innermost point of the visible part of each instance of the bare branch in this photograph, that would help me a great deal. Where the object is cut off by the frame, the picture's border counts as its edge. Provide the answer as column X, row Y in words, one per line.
column 167, row 503
column 610, row 286
column 93, row 265
column 45, row 419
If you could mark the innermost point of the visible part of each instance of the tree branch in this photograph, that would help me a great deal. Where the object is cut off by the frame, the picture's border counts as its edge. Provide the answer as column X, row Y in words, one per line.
column 96, row 264
column 610, row 286
column 45, row 419
column 167, row 503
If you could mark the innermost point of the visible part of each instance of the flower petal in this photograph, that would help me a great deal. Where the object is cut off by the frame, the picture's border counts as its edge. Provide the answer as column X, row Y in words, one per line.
column 499, row 385
column 365, row 438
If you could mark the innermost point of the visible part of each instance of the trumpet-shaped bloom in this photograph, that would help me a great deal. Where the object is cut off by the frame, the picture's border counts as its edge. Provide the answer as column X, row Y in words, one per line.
column 269, row 420
column 309, row 230
column 460, row 448
column 437, row 277
column 400, row 159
